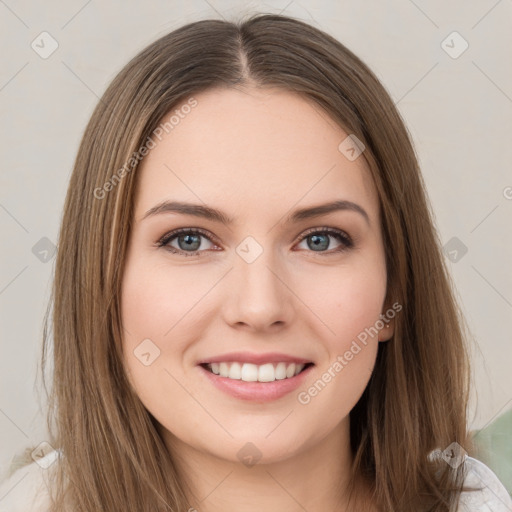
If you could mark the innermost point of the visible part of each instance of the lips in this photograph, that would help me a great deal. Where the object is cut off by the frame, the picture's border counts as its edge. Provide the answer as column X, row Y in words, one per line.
column 253, row 358
column 256, row 391
column 256, row 377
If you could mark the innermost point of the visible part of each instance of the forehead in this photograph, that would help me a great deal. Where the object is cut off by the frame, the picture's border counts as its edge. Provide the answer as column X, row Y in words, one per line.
column 256, row 149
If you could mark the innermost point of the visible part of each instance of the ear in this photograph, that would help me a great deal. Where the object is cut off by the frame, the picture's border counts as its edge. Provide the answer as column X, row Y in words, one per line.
column 387, row 331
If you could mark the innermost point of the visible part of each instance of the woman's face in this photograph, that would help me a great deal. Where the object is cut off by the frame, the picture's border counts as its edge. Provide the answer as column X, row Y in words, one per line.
column 261, row 284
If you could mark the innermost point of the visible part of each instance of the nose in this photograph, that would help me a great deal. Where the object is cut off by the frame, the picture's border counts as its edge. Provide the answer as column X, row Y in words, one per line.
column 258, row 294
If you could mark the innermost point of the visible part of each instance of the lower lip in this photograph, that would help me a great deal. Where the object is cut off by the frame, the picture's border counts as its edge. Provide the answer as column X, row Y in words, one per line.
column 256, row 391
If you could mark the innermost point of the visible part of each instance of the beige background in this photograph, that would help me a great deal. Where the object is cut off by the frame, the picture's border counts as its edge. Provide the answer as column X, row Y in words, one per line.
column 458, row 110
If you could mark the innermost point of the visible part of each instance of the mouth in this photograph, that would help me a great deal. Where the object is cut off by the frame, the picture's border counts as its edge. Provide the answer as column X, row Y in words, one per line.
column 256, row 383
column 249, row 372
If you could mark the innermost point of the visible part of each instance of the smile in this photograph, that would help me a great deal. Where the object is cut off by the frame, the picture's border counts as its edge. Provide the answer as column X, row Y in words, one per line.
column 249, row 372
column 256, row 383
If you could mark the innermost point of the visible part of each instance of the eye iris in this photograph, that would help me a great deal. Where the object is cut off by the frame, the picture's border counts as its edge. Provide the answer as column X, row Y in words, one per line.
column 195, row 240
column 317, row 241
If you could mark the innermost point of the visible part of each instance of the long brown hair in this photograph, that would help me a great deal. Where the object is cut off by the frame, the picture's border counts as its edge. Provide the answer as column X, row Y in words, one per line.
column 416, row 400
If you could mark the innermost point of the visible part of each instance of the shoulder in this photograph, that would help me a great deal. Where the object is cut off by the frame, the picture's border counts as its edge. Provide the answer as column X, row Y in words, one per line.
column 493, row 496
column 27, row 489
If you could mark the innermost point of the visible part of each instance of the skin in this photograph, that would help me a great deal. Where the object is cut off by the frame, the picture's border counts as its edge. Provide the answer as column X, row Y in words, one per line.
column 257, row 155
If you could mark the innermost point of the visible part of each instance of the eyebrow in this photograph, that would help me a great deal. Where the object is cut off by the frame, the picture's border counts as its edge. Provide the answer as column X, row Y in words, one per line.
column 209, row 213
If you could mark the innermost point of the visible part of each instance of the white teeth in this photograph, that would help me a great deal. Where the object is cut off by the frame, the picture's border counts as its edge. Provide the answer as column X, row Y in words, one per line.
column 249, row 372
column 280, row 371
column 223, row 369
column 266, row 373
column 235, row 371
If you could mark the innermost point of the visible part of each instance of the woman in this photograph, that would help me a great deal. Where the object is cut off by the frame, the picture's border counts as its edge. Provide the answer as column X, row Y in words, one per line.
column 251, row 309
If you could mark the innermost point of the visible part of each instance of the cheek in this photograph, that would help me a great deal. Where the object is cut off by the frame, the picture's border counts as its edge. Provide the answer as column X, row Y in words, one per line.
column 151, row 305
column 349, row 304
column 347, row 300
column 331, row 392
column 155, row 298
column 159, row 308
column 147, row 305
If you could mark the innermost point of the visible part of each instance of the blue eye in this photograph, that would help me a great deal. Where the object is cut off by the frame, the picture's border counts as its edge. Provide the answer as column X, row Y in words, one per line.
column 189, row 241
column 319, row 239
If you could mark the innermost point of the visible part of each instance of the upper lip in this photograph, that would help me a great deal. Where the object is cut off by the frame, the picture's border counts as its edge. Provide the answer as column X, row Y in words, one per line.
column 258, row 359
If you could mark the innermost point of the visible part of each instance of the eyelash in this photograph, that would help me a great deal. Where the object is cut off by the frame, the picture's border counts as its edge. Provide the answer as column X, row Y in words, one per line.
column 341, row 236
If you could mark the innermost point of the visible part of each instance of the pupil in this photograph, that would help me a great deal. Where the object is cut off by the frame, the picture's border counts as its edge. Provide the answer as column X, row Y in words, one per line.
column 317, row 241
column 190, row 239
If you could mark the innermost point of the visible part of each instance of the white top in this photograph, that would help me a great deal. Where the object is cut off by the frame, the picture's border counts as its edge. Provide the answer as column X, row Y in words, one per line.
column 26, row 490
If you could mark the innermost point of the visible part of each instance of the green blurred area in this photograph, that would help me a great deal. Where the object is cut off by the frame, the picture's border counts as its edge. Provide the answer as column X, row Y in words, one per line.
column 493, row 446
